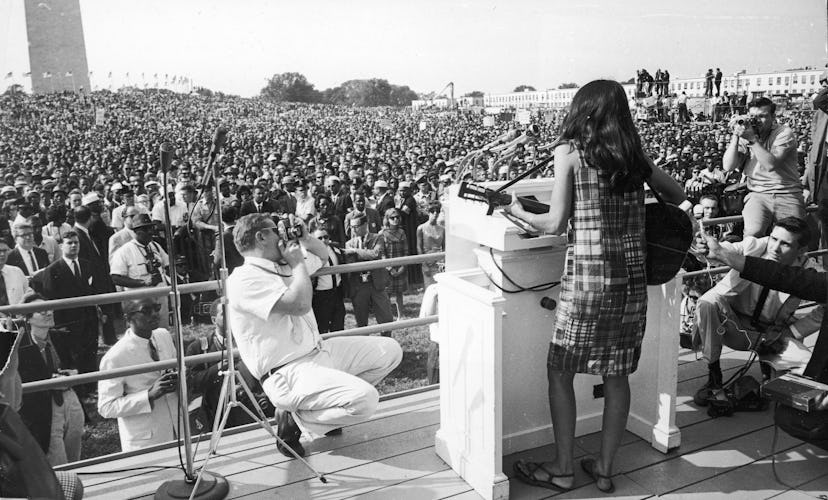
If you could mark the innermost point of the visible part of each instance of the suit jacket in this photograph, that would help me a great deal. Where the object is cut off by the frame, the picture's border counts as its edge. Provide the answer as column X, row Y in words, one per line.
column 374, row 221
column 16, row 259
column 58, row 281
column 384, row 203
column 249, row 207
column 343, row 205
column 733, row 284
column 372, row 249
column 816, row 165
column 88, row 250
column 810, row 284
column 140, row 423
column 234, row 258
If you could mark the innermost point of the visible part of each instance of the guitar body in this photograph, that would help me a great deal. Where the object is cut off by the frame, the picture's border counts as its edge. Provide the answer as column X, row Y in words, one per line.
column 669, row 231
column 669, row 234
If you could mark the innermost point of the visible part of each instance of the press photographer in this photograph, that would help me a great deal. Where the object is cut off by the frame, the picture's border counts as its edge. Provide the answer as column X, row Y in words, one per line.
column 765, row 151
column 317, row 386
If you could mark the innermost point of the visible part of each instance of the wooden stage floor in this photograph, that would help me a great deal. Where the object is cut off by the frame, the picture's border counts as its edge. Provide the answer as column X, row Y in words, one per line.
column 392, row 457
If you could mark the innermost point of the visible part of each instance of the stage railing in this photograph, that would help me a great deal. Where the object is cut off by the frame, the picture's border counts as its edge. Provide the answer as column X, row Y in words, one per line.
column 63, row 382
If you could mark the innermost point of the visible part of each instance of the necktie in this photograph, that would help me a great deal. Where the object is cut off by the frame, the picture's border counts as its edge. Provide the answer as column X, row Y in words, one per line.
column 4, row 296
column 76, row 269
column 153, row 351
column 57, row 396
column 34, row 261
column 334, row 277
column 760, row 304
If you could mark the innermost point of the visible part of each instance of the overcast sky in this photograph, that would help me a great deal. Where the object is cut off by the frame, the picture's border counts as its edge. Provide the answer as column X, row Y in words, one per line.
column 493, row 46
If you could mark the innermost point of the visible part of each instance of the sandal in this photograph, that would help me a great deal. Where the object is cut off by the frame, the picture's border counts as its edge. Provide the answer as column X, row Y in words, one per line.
column 525, row 472
column 588, row 464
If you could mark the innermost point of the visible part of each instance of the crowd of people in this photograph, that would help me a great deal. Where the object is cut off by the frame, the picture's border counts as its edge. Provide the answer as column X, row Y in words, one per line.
column 83, row 212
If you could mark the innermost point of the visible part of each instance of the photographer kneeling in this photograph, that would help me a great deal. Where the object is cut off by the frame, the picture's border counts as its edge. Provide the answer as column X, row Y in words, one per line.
column 810, row 284
column 322, row 384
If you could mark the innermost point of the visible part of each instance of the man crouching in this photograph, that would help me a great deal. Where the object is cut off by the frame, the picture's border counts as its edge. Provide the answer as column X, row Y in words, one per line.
column 321, row 385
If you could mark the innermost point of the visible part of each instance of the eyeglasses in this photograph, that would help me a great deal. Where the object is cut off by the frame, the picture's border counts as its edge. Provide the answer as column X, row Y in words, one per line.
column 150, row 309
column 26, row 235
column 273, row 229
column 393, row 217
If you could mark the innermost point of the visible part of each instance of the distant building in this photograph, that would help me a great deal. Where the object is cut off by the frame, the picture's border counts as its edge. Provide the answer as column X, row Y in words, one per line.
column 790, row 83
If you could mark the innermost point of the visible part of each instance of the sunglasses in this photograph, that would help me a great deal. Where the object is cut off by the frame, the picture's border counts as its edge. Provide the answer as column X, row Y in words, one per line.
column 150, row 309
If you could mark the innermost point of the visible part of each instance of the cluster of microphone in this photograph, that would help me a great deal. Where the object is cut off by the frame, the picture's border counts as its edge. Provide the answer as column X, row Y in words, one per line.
column 165, row 151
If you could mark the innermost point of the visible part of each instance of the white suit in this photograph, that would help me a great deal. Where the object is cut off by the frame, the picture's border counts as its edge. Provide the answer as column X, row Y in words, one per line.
column 10, row 385
column 141, row 423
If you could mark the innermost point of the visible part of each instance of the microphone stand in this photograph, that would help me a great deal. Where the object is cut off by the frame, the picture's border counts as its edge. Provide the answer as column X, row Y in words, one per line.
column 207, row 485
column 231, row 376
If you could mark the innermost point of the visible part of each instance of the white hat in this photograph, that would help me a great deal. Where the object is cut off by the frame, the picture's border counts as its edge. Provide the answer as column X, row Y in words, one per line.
column 405, row 184
column 117, row 186
column 272, row 157
column 90, row 198
column 381, row 184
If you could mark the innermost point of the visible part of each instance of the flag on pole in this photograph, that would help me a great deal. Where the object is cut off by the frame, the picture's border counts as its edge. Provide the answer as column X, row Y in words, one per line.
column 90, row 73
column 47, row 75
column 28, row 73
column 127, row 74
column 110, row 75
column 155, row 76
column 68, row 74
column 9, row 74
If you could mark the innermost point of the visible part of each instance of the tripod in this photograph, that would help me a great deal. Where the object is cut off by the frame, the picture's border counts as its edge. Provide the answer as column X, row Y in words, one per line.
column 231, row 376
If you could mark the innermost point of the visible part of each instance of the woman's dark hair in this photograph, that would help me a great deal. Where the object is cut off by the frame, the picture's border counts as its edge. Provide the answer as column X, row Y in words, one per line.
column 601, row 125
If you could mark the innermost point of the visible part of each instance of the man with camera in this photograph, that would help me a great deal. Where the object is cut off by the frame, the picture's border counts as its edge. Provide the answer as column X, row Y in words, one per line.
column 140, row 262
column 765, row 151
column 746, row 316
column 145, row 404
column 317, row 385
column 810, row 426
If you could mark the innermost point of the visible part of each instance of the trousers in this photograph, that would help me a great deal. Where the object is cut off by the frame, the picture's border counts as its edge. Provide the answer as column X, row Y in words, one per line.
column 334, row 386
column 67, row 430
column 763, row 209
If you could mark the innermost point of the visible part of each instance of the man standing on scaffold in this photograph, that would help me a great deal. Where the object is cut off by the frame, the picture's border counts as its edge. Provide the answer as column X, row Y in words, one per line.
column 317, row 386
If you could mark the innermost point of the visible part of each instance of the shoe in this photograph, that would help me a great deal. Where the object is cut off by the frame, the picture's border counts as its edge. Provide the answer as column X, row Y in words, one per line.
column 706, row 393
column 713, row 385
column 525, row 472
column 588, row 464
column 289, row 432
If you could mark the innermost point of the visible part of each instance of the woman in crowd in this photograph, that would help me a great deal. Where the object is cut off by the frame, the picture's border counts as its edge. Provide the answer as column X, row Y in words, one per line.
column 600, row 171
column 396, row 245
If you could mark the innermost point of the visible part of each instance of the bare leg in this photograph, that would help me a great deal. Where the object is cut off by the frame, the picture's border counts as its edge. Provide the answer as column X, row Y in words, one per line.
column 562, row 408
column 398, row 298
column 616, row 411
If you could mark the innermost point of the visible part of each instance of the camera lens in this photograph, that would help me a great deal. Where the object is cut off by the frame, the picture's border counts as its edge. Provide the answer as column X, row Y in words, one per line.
column 740, row 122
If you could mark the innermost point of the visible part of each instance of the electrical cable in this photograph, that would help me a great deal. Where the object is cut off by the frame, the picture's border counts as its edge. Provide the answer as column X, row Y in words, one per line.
column 535, row 288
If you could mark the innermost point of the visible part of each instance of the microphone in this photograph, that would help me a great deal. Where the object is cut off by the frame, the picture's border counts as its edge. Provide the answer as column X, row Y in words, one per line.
column 165, row 152
column 505, row 137
column 219, row 138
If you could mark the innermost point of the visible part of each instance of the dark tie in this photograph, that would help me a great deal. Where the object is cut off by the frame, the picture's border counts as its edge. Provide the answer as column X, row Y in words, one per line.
column 334, row 277
column 34, row 261
column 153, row 351
column 760, row 304
column 57, row 396
column 4, row 296
column 76, row 270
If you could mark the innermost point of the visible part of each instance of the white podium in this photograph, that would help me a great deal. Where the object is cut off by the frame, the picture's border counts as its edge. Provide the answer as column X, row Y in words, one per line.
column 493, row 348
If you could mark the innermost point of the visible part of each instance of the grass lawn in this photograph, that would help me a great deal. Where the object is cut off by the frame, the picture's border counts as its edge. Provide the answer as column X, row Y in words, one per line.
column 100, row 435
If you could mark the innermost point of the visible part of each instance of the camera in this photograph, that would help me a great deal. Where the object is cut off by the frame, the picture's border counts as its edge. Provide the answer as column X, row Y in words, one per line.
column 288, row 231
column 745, row 120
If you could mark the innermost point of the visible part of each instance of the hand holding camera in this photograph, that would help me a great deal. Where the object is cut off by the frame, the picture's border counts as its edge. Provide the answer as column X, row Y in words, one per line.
column 744, row 126
column 164, row 384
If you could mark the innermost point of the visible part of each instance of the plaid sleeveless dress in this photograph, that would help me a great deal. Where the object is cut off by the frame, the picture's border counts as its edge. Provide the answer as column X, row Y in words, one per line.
column 602, row 307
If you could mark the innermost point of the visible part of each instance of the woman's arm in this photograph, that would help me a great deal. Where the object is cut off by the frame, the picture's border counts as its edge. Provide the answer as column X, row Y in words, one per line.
column 554, row 221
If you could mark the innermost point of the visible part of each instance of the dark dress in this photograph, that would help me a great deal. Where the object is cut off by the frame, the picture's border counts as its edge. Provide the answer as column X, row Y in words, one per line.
column 602, row 307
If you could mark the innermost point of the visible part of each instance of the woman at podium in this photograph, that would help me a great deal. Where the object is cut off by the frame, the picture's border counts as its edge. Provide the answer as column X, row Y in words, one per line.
column 600, row 170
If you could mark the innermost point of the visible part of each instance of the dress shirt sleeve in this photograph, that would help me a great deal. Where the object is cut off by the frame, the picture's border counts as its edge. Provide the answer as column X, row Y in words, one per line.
column 258, row 293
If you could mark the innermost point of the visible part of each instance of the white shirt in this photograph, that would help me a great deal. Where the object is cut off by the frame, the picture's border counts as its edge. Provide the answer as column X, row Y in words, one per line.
column 178, row 213
column 325, row 282
column 267, row 339
column 131, row 261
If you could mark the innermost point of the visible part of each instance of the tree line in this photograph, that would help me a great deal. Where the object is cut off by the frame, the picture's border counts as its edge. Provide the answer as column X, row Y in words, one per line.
column 294, row 87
